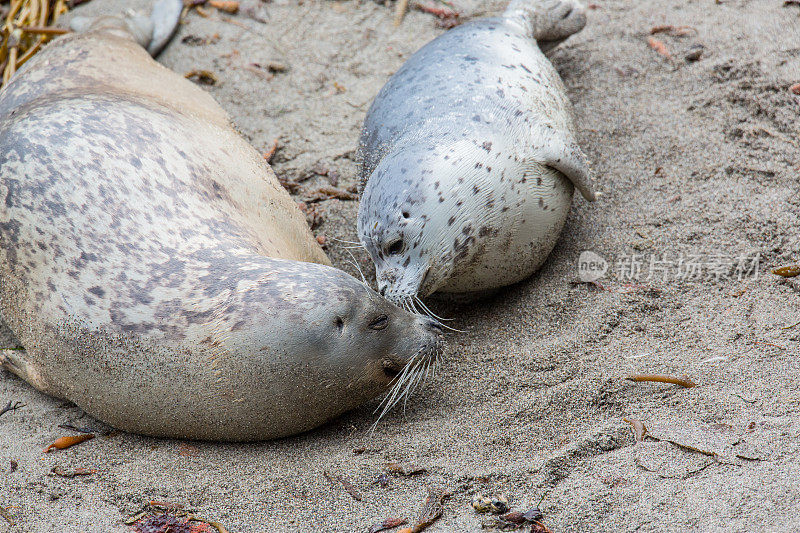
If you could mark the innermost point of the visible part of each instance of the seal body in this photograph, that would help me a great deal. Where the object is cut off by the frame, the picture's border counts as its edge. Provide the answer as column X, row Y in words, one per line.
column 155, row 271
column 469, row 157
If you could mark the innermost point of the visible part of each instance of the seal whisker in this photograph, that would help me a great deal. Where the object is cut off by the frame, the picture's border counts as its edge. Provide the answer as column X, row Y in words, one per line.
column 413, row 384
column 429, row 312
column 438, row 320
column 406, row 304
column 363, row 280
column 396, row 386
column 355, row 264
column 404, row 384
column 358, row 243
column 391, row 398
column 413, row 306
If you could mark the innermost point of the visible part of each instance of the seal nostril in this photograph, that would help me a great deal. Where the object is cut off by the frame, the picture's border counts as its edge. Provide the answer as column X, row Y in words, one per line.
column 568, row 13
column 383, row 291
column 436, row 327
column 390, row 368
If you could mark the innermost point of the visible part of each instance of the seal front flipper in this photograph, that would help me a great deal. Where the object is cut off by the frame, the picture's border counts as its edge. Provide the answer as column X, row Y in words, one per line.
column 16, row 362
column 566, row 156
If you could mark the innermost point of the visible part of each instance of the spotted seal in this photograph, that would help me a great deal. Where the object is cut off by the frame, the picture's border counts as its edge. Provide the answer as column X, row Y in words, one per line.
column 469, row 156
column 156, row 272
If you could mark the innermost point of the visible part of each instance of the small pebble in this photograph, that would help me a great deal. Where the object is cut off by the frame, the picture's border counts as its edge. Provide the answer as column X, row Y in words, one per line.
column 694, row 52
column 499, row 505
column 496, row 504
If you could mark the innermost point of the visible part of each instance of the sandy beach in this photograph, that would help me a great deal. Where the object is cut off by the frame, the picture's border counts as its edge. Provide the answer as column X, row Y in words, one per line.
column 698, row 164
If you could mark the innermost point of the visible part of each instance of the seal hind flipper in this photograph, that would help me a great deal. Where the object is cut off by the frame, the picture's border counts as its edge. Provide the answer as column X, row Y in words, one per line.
column 153, row 32
column 549, row 22
column 165, row 17
column 566, row 156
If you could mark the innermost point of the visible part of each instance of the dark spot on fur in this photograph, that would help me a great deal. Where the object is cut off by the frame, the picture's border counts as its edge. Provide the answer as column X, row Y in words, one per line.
column 97, row 291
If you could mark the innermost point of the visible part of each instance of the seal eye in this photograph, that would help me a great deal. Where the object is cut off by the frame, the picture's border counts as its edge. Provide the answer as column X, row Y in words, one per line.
column 406, row 214
column 395, row 248
column 380, row 322
column 339, row 321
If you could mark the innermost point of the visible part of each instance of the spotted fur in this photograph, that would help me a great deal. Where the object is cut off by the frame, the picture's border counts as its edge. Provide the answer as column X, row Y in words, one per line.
column 469, row 156
column 155, row 271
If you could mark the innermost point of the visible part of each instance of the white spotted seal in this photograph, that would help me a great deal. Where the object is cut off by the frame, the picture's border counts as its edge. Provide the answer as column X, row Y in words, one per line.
column 469, row 157
column 155, row 271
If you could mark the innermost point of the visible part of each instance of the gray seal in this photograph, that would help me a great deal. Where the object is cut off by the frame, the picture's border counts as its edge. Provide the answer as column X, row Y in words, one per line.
column 155, row 271
column 470, row 158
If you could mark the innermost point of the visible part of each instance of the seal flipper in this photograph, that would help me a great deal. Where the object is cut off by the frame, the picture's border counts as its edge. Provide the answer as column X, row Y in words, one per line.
column 165, row 17
column 152, row 33
column 566, row 156
column 549, row 22
column 129, row 26
column 16, row 362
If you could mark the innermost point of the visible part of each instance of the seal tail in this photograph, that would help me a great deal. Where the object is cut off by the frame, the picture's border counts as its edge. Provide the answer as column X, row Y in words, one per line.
column 549, row 22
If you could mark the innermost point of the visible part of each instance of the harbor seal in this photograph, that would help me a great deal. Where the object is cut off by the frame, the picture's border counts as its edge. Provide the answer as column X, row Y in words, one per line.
column 157, row 274
column 469, row 157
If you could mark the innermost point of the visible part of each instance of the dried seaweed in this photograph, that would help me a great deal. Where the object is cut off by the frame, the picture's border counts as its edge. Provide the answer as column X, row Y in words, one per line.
column 27, row 26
